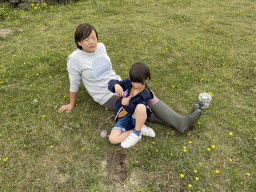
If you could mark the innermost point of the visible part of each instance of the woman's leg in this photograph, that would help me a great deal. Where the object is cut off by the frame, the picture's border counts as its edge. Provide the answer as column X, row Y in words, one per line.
column 166, row 114
column 111, row 103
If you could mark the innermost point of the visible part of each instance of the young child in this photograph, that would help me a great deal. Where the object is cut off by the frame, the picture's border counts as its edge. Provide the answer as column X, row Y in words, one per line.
column 132, row 111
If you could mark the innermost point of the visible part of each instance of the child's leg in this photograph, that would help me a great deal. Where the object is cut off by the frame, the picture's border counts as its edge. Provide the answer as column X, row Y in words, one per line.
column 118, row 136
column 140, row 115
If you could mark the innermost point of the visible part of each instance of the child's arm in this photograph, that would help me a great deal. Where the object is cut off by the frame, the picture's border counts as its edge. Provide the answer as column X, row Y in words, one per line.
column 126, row 100
column 118, row 89
column 116, row 86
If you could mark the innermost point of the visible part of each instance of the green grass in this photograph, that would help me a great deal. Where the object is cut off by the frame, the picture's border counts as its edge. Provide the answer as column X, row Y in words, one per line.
column 190, row 46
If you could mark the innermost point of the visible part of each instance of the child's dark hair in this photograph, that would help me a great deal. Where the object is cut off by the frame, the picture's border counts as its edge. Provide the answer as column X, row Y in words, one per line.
column 82, row 32
column 139, row 73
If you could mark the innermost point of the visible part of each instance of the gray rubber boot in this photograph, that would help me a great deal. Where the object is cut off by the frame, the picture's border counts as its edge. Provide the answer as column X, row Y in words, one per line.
column 195, row 107
column 180, row 123
column 155, row 119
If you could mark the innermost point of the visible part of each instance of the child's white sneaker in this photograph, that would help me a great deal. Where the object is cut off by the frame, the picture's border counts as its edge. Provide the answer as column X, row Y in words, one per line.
column 146, row 131
column 131, row 140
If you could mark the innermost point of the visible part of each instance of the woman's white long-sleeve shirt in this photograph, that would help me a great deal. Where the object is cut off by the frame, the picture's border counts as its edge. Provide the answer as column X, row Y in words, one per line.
column 94, row 70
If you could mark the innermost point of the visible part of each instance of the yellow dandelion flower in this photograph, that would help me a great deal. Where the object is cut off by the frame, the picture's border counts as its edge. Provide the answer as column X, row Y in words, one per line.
column 213, row 146
column 230, row 159
column 230, row 133
column 208, row 149
column 171, row 154
column 43, row 116
column 195, row 171
column 51, row 146
column 189, row 185
column 217, row 171
column 190, row 142
column 197, row 178
column 181, row 175
column 153, row 142
column 6, row 159
column 246, row 173
column 211, row 93
column 199, row 123
column 185, row 150
column 82, row 149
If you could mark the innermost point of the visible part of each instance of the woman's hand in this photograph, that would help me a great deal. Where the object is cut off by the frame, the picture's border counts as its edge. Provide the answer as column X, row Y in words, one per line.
column 67, row 107
column 70, row 106
column 126, row 100
column 119, row 90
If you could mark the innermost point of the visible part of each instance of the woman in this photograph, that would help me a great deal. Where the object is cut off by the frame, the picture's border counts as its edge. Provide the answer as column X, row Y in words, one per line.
column 91, row 65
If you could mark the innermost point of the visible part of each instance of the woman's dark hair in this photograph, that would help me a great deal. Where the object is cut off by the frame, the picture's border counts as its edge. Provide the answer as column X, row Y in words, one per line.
column 139, row 73
column 83, row 31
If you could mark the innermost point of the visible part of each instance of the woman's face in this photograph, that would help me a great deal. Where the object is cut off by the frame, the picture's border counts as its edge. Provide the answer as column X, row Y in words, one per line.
column 89, row 44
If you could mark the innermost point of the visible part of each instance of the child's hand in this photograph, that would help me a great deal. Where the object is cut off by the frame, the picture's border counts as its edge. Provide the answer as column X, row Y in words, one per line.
column 126, row 100
column 119, row 89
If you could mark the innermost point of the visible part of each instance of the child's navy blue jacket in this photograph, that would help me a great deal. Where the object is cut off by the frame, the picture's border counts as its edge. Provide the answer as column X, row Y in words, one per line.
column 140, row 98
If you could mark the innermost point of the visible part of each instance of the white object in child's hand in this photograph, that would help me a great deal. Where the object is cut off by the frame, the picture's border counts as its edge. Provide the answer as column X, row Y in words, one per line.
column 204, row 100
column 104, row 133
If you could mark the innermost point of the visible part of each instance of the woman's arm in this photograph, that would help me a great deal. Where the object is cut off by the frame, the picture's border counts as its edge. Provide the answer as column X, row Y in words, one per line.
column 71, row 104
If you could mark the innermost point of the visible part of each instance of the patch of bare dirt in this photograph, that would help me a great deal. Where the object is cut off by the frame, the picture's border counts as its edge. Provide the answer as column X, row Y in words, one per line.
column 166, row 180
column 116, row 165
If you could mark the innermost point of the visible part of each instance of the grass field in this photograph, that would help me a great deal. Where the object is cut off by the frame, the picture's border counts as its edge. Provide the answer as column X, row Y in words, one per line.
column 191, row 46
